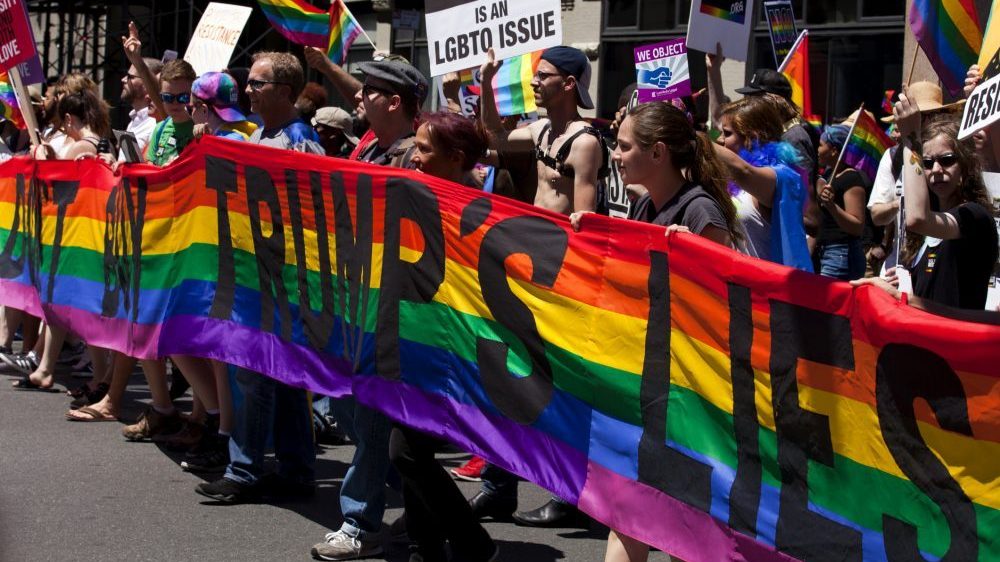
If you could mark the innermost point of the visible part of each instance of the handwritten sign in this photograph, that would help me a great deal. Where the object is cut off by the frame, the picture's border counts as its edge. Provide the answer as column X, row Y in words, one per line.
column 215, row 37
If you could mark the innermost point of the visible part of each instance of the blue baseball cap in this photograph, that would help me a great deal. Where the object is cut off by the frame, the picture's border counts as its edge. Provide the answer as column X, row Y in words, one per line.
column 572, row 61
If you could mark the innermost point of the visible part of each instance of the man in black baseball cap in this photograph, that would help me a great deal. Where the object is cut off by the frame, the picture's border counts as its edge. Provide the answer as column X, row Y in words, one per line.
column 572, row 62
column 767, row 81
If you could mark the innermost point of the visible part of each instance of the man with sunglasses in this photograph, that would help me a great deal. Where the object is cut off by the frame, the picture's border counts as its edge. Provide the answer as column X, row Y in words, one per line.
column 171, row 135
column 141, row 123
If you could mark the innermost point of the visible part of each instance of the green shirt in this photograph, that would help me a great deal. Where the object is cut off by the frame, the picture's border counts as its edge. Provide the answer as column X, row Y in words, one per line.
column 168, row 140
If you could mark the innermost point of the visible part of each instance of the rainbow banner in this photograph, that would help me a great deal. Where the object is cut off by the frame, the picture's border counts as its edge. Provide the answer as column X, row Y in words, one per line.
column 949, row 33
column 512, row 84
column 9, row 107
column 866, row 144
column 713, row 405
column 299, row 21
column 343, row 31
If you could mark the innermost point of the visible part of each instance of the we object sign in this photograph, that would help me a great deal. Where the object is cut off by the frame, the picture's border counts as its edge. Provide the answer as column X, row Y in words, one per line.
column 215, row 37
column 662, row 71
column 982, row 108
column 461, row 32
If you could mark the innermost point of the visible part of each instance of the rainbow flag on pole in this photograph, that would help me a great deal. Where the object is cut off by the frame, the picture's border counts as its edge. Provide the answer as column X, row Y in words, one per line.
column 299, row 22
column 9, row 107
column 796, row 68
column 512, row 85
column 344, row 29
column 950, row 34
column 866, row 144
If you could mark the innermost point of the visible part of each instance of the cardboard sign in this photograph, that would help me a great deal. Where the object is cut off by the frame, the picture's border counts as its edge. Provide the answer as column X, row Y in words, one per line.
column 17, row 44
column 215, row 37
column 461, row 32
column 726, row 22
column 781, row 25
column 661, row 71
column 982, row 107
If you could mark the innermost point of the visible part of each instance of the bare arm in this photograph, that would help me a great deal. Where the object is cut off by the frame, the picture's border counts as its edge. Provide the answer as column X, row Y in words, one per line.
column 965, row 315
column 759, row 182
column 717, row 235
column 851, row 217
column 884, row 213
column 347, row 86
column 133, row 51
column 80, row 148
column 586, row 158
column 451, row 84
column 716, row 96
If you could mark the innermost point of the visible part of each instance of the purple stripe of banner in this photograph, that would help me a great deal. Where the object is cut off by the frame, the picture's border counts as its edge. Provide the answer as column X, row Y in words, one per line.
column 252, row 349
column 667, row 523
column 520, row 449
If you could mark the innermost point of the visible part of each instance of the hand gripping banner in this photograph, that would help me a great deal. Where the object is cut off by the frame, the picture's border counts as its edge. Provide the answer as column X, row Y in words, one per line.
column 715, row 406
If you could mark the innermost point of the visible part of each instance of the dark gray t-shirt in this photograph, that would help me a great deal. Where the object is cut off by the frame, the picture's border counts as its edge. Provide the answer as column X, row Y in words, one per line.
column 802, row 142
column 692, row 207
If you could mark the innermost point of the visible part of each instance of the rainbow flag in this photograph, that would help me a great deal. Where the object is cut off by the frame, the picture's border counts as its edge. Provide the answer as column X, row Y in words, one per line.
column 715, row 406
column 950, row 35
column 796, row 69
column 9, row 107
column 512, row 85
column 866, row 144
column 344, row 29
column 299, row 21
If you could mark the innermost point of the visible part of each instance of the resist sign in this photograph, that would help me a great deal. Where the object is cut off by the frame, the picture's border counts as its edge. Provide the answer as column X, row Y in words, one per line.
column 16, row 43
column 460, row 33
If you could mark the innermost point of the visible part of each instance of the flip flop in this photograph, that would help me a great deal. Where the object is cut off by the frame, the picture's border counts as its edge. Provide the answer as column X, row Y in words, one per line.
column 94, row 416
column 25, row 383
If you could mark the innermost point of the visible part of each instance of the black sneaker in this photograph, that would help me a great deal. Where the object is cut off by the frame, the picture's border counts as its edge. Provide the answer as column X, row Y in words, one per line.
column 210, row 455
column 228, row 491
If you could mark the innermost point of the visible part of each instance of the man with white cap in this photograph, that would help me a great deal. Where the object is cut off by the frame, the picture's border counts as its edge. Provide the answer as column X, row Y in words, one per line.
column 570, row 153
column 334, row 125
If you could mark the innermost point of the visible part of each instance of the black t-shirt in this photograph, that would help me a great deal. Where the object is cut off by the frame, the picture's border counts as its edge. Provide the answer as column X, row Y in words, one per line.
column 829, row 231
column 956, row 272
column 801, row 137
column 692, row 207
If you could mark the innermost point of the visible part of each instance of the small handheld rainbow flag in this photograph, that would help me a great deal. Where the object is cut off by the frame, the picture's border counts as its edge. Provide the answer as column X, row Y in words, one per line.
column 795, row 67
column 298, row 21
column 9, row 107
column 512, row 85
column 949, row 33
column 865, row 145
column 344, row 29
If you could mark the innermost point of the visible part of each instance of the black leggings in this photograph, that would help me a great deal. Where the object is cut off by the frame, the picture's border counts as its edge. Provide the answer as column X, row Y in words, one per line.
column 436, row 510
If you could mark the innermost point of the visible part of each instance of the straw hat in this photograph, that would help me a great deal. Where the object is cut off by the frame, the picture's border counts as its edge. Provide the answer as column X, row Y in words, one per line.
column 928, row 97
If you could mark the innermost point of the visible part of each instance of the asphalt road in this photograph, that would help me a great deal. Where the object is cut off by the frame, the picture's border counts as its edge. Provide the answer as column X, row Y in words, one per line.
column 79, row 491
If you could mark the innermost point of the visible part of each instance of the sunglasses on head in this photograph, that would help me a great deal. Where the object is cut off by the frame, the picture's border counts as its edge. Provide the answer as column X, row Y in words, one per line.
column 176, row 98
column 945, row 160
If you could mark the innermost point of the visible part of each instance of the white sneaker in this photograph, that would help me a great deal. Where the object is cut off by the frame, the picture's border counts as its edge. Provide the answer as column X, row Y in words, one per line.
column 338, row 545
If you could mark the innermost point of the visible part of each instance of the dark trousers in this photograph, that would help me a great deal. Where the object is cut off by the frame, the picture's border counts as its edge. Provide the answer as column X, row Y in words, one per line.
column 436, row 510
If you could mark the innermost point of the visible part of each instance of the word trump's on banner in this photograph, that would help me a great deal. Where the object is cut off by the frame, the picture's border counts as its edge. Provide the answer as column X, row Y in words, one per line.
column 460, row 32
column 739, row 410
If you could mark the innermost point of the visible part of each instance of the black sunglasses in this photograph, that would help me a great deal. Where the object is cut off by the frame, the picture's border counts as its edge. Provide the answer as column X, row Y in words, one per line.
column 184, row 98
column 257, row 85
column 945, row 160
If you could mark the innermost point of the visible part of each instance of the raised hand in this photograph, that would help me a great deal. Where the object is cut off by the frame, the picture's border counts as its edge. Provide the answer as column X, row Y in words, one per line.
column 972, row 79
column 907, row 118
column 132, row 44
column 317, row 59
column 489, row 68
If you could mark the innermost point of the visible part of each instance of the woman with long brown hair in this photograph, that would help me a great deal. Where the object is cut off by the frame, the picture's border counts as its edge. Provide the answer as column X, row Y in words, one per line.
column 952, row 239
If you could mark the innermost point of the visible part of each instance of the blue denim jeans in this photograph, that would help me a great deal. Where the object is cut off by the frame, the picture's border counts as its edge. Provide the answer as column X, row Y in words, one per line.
column 844, row 260
column 362, row 494
column 269, row 406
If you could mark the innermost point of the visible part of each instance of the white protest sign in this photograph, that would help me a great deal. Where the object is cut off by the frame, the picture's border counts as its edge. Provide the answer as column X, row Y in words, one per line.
column 982, row 107
column 215, row 38
column 726, row 22
column 459, row 32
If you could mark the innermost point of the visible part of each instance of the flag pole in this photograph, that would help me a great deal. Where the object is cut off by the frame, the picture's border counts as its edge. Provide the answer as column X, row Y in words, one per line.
column 843, row 149
column 795, row 46
column 913, row 64
column 363, row 32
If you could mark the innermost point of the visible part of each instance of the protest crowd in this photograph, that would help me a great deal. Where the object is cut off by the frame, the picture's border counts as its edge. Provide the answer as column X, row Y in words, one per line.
column 751, row 174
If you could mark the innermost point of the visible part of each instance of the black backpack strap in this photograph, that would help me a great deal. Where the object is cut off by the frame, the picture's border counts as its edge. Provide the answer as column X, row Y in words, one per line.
column 558, row 163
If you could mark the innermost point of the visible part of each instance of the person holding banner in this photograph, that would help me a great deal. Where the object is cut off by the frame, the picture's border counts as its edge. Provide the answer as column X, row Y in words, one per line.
column 953, row 258
column 842, row 201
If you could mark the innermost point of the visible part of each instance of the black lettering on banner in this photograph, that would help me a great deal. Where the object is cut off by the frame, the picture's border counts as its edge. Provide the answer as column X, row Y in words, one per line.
column 317, row 327
column 474, row 215
column 220, row 175
column 10, row 266
column 414, row 282
column 905, row 373
column 662, row 467
column 270, row 251
column 803, row 333
column 123, row 248
column 744, row 498
column 63, row 193
column 354, row 260
column 521, row 399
